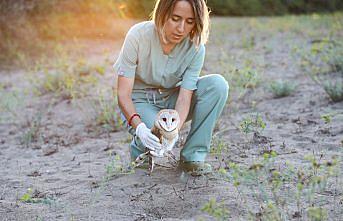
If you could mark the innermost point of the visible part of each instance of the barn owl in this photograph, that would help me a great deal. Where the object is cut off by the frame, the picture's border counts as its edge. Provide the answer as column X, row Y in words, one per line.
column 166, row 129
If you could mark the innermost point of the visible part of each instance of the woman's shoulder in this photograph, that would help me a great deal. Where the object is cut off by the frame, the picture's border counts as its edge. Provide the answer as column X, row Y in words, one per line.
column 191, row 48
column 142, row 29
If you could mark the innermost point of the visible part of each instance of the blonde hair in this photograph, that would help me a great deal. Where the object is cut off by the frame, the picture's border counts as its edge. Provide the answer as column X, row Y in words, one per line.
column 164, row 8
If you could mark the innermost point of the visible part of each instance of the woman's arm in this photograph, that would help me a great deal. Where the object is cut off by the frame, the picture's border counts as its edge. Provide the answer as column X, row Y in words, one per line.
column 183, row 104
column 124, row 86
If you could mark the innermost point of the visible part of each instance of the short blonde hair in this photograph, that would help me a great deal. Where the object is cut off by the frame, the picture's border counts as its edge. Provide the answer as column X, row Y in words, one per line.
column 164, row 8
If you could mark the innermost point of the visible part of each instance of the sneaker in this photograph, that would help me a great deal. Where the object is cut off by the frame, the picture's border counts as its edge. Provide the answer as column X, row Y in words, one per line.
column 195, row 168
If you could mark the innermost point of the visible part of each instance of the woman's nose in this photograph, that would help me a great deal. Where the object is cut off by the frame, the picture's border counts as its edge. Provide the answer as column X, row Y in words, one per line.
column 181, row 27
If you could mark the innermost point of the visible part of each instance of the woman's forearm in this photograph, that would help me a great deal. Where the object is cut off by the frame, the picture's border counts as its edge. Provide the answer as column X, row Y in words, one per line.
column 183, row 113
column 183, row 104
column 127, row 107
column 124, row 86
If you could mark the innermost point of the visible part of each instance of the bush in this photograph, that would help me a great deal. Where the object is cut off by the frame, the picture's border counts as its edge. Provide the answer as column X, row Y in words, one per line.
column 334, row 90
column 281, row 88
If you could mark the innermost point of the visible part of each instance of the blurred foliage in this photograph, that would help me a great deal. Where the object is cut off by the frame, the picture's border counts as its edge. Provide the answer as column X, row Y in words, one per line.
column 26, row 25
column 272, row 7
column 32, row 27
column 118, row 8
column 143, row 8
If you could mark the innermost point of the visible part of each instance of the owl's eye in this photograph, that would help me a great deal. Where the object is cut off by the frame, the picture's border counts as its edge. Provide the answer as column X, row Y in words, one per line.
column 164, row 119
column 173, row 119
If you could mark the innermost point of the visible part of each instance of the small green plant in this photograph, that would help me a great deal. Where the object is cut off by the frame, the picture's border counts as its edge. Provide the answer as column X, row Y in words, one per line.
column 32, row 133
column 324, row 61
column 116, row 167
column 277, row 188
column 334, row 90
column 326, row 118
column 215, row 209
column 34, row 197
column 247, row 77
column 281, row 88
column 108, row 114
column 243, row 77
column 218, row 147
column 317, row 214
column 10, row 102
column 248, row 42
column 324, row 56
column 67, row 85
column 104, row 112
column 253, row 123
column 27, row 197
column 64, row 79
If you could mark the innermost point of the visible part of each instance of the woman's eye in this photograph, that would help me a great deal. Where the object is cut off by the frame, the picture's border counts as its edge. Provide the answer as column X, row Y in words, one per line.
column 190, row 22
column 175, row 19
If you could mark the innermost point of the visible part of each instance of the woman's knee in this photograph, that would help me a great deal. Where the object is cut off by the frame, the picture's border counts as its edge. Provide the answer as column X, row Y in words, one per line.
column 217, row 84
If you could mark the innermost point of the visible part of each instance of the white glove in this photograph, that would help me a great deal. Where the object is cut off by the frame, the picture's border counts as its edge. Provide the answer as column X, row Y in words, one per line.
column 148, row 139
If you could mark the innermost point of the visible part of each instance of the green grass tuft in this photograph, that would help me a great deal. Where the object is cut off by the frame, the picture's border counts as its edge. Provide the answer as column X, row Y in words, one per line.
column 334, row 90
column 281, row 88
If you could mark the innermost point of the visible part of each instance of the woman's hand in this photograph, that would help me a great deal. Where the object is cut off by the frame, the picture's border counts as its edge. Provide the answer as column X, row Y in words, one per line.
column 148, row 139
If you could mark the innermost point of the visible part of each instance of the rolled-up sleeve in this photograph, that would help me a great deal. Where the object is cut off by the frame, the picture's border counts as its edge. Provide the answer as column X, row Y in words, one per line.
column 192, row 72
column 126, row 63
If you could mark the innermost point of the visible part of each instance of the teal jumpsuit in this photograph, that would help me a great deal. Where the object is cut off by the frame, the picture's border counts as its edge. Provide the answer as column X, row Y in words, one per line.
column 158, row 78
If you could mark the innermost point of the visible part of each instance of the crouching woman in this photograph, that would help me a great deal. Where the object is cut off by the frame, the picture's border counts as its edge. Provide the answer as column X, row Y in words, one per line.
column 158, row 68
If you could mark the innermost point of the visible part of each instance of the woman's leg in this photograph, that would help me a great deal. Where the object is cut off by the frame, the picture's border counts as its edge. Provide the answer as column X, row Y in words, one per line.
column 207, row 104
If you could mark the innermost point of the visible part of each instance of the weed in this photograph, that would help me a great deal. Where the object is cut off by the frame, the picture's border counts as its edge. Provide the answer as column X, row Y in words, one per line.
column 241, row 78
column 65, row 79
column 317, row 213
column 67, row 85
column 218, row 148
column 27, row 197
column 253, row 123
column 281, row 88
column 217, row 210
column 10, row 102
column 276, row 188
column 334, row 90
column 248, row 42
column 325, row 57
column 33, row 130
column 36, row 197
column 108, row 114
column 326, row 118
column 104, row 112
column 247, row 77
column 115, row 167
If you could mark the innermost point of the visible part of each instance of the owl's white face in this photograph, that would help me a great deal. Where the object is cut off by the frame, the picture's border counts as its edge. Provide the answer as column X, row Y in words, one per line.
column 168, row 119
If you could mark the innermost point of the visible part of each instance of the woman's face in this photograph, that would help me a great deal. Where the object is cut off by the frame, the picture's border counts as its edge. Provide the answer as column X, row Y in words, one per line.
column 180, row 23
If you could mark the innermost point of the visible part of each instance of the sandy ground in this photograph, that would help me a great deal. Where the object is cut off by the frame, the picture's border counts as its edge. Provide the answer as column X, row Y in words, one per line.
column 66, row 168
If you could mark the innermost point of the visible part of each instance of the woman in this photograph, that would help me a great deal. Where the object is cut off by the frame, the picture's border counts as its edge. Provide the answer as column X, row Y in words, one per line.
column 158, row 67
